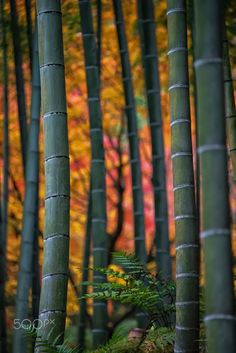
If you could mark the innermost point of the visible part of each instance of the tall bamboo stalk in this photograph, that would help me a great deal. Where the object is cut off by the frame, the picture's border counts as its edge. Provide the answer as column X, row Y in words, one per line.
column 36, row 287
column 197, row 171
column 152, row 82
column 35, row 266
column 53, row 297
column 99, row 33
column 99, row 235
column 220, row 317
column 30, row 210
column 83, row 290
column 187, row 250
column 230, row 112
column 29, row 30
column 4, row 201
column 138, row 208
column 19, row 82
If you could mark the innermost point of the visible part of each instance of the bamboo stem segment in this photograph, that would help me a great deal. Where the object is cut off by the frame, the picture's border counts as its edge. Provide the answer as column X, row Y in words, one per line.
column 29, row 31
column 152, row 82
column 187, row 250
column 220, row 318
column 30, row 209
column 138, row 207
column 98, row 190
column 19, row 83
column 83, row 291
column 52, row 312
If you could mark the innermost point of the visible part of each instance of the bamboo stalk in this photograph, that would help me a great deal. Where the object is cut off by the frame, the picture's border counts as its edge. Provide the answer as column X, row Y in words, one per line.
column 29, row 212
column 136, row 174
column 138, row 207
column 99, row 235
column 99, row 34
column 29, row 31
column 19, row 82
column 4, row 201
column 152, row 82
column 83, row 290
column 220, row 318
column 197, row 171
column 35, row 266
column 187, row 249
column 52, row 311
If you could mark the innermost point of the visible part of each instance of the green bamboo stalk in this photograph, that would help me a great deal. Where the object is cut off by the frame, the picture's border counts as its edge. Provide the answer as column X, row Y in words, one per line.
column 35, row 266
column 19, row 82
column 99, row 33
column 52, row 312
column 99, row 235
column 29, row 30
column 187, row 249
column 197, row 172
column 83, row 289
column 136, row 174
column 35, row 274
column 230, row 112
column 118, row 184
column 139, row 227
column 147, row 30
column 4, row 203
column 220, row 318
column 30, row 211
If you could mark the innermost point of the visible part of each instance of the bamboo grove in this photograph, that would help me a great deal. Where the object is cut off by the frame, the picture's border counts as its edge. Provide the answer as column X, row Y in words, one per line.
column 118, row 170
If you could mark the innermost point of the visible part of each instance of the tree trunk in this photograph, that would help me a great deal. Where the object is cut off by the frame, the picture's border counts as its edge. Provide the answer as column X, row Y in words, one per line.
column 52, row 311
column 99, row 235
column 220, row 319
column 138, row 207
column 30, row 211
column 152, row 82
column 19, row 82
column 187, row 249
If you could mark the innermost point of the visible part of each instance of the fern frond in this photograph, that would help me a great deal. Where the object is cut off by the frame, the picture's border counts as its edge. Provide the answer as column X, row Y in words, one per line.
column 138, row 288
column 163, row 338
column 129, row 262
